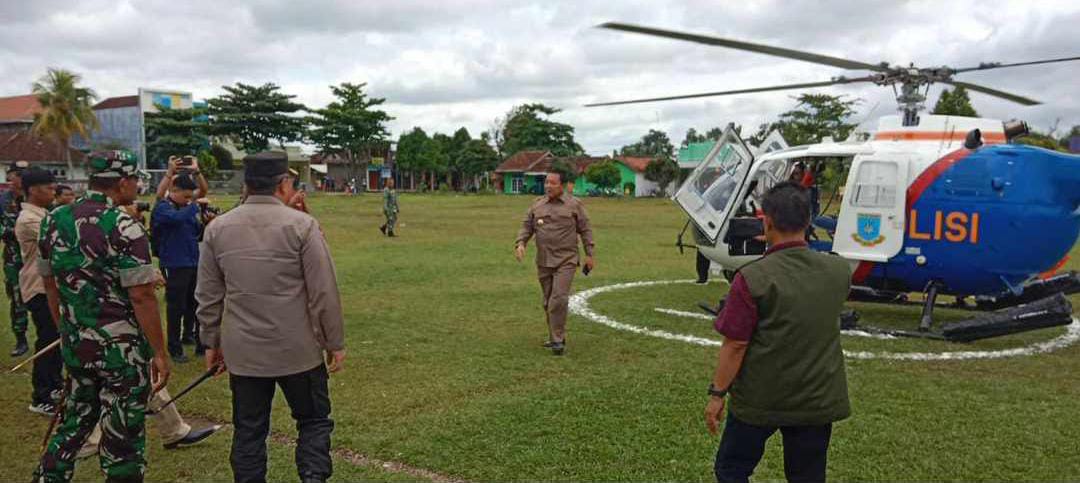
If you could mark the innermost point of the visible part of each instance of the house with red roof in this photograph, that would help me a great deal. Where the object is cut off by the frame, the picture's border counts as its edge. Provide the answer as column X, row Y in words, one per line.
column 19, row 143
column 524, row 173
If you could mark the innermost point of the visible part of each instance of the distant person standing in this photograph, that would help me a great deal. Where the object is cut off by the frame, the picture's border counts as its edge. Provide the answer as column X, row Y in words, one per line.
column 557, row 219
column 390, row 208
column 11, row 204
column 40, row 188
column 64, row 195
column 270, row 313
column 175, row 228
column 781, row 360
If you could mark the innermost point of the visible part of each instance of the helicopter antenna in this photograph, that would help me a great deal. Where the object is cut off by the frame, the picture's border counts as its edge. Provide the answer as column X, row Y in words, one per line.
column 910, row 84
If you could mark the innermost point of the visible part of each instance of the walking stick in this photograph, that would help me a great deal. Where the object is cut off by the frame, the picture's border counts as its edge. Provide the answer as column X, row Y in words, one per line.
column 206, row 375
column 56, row 413
column 39, row 353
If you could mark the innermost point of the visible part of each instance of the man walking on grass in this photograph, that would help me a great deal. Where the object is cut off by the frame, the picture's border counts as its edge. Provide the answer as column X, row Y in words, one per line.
column 557, row 219
column 781, row 361
column 270, row 312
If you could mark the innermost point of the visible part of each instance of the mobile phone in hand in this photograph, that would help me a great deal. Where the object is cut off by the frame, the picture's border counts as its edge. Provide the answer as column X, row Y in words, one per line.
column 585, row 270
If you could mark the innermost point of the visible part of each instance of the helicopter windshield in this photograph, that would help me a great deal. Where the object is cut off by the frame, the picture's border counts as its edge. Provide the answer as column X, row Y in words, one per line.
column 708, row 193
column 717, row 183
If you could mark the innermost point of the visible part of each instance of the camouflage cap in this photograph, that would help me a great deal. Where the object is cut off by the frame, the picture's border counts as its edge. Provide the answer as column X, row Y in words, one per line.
column 119, row 163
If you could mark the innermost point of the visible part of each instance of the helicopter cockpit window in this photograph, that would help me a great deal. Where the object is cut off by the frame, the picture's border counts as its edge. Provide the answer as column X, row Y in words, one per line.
column 716, row 183
column 875, row 185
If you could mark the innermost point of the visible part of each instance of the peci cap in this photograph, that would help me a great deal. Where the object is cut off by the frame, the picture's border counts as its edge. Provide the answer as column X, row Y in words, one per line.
column 266, row 164
column 36, row 177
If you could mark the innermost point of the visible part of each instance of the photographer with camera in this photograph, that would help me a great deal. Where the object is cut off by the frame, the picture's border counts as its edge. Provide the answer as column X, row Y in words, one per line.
column 175, row 228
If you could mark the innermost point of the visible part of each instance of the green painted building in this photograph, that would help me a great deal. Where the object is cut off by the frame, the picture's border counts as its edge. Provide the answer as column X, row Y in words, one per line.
column 524, row 173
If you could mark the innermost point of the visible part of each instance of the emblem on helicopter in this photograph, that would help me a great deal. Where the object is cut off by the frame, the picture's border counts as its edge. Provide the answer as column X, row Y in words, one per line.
column 869, row 232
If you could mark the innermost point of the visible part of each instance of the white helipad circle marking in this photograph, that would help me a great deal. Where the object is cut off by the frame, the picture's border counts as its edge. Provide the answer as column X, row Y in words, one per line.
column 579, row 304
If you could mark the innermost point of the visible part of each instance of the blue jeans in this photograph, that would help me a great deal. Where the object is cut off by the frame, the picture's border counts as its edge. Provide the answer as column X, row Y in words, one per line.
column 742, row 445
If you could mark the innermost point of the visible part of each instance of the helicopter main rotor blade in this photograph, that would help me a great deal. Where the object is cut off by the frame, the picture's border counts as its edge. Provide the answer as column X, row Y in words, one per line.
column 839, row 80
column 998, row 65
column 735, row 44
column 994, row 92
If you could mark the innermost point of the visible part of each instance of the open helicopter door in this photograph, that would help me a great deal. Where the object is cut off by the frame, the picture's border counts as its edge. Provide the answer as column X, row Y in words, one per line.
column 871, row 223
column 708, row 194
column 773, row 142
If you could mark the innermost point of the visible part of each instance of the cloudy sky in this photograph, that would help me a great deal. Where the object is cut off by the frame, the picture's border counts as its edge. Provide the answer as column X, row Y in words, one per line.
column 442, row 64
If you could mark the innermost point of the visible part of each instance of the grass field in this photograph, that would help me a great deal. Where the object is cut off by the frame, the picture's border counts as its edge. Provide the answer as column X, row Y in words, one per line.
column 445, row 372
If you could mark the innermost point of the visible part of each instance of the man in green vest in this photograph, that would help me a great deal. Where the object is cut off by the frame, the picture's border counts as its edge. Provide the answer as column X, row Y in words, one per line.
column 781, row 361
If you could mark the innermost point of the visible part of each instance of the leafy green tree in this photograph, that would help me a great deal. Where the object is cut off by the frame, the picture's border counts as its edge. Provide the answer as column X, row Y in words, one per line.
column 223, row 156
column 1035, row 138
column 208, row 164
column 692, row 136
column 66, row 109
column 814, row 117
column 655, row 143
column 662, row 171
column 477, row 158
column 955, row 103
column 172, row 132
column 526, row 127
column 410, row 152
column 253, row 116
column 350, row 126
column 714, row 134
column 605, row 175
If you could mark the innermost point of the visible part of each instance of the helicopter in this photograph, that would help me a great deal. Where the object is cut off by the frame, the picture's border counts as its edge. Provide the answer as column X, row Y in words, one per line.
column 942, row 205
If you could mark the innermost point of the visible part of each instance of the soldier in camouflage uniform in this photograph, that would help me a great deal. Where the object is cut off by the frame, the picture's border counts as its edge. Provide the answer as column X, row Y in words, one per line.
column 390, row 208
column 11, row 204
column 95, row 259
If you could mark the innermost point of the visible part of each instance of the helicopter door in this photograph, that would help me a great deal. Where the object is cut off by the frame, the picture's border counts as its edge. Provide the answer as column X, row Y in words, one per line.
column 871, row 223
column 708, row 194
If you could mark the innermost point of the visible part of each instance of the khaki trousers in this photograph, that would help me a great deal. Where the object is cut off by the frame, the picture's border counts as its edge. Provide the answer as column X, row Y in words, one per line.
column 555, row 283
column 170, row 426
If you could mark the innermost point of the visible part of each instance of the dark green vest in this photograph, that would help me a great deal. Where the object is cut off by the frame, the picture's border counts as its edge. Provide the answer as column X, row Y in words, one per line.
column 793, row 372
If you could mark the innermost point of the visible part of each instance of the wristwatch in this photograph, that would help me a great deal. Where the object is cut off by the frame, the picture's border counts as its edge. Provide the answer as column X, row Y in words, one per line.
column 713, row 391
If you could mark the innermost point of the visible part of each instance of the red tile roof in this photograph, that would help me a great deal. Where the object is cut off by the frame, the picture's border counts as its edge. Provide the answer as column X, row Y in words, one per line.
column 19, row 108
column 635, row 163
column 25, row 146
column 579, row 163
column 115, row 102
column 522, row 161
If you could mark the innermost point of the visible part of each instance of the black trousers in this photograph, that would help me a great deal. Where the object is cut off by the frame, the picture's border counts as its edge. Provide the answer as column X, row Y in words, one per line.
column 742, row 445
column 703, row 263
column 309, row 400
column 180, row 307
column 46, row 373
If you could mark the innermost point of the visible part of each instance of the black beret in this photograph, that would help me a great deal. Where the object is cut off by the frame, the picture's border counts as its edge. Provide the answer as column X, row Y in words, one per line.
column 36, row 176
column 18, row 166
column 266, row 164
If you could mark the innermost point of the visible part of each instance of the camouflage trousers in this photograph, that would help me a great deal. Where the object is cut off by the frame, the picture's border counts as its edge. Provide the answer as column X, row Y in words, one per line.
column 112, row 388
column 16, row 307
column 391, row 219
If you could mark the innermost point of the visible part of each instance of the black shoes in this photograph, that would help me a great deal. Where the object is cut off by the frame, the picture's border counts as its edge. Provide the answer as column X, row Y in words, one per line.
column 43, row 408
column 558, row 348
column 194, row 436
column 20, row 346
column 383, row 229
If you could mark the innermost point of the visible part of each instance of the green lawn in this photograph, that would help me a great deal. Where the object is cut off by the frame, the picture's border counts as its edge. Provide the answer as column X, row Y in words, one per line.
column 445, row 372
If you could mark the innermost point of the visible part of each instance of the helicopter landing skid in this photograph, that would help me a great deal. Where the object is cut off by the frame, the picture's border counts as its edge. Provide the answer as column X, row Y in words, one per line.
column 1065, row 283
column 1052, row 311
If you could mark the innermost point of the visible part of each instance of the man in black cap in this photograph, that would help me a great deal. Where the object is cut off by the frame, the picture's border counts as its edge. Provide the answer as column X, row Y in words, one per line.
column 11, row 204
column 284, row 313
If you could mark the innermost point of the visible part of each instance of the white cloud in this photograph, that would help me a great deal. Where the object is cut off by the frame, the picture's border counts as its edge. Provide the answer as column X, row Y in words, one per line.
column 442, row 65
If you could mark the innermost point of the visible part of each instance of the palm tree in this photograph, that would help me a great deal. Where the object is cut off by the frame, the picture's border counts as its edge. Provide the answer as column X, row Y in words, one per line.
column 66, row 109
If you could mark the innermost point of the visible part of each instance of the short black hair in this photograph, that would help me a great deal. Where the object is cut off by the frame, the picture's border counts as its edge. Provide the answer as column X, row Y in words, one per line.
column 263, row 185
column 60, row 188
column 563, row 169
column 184, row 182
column 36, row 177
column 98, row 183
column 788, row 206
